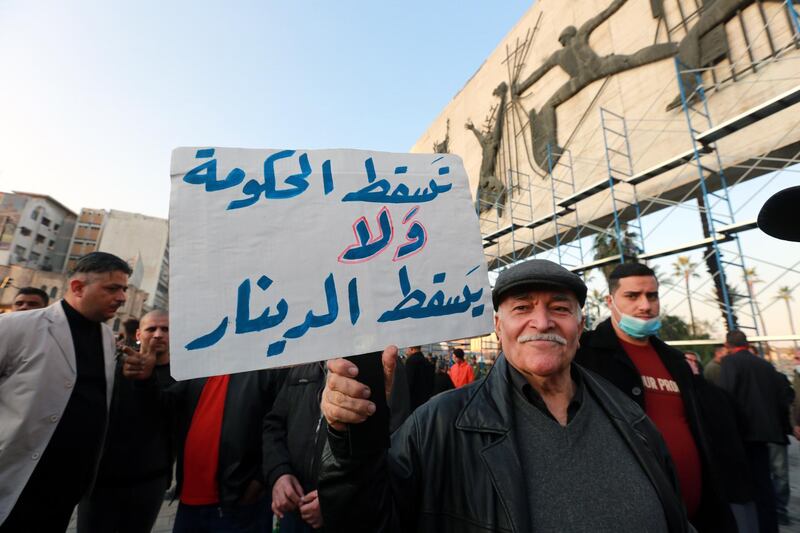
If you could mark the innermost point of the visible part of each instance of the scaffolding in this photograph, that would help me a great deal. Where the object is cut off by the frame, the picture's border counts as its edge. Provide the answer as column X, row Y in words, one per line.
column 512, row 237
column 620, row 169
column 717, row 208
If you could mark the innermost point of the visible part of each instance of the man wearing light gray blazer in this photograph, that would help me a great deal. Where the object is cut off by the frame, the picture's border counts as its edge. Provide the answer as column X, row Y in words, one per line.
column 56, row 377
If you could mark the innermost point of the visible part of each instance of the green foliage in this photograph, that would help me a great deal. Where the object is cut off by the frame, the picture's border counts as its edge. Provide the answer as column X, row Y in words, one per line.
column 605, row 245
column 674, row 328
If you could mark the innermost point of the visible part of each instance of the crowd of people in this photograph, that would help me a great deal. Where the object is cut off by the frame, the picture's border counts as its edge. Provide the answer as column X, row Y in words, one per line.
column 571, row 430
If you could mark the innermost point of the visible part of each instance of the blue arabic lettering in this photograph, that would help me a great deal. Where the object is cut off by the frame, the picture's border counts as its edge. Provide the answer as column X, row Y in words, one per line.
column 352, row 293
column 317, row 321
column 413, row 304
column 327, row 177
column 209, row 339
column 368, row 246
column 269, row 188
column 416, row 237
column 206, row 173
column 313, row 320
column 377, row 191
column 245, row 324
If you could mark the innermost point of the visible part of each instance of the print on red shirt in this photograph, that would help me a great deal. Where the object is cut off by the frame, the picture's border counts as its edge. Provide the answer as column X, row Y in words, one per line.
column 664, row 405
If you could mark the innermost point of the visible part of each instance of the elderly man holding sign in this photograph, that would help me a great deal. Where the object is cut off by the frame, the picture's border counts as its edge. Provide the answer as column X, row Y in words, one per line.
column 539, row 445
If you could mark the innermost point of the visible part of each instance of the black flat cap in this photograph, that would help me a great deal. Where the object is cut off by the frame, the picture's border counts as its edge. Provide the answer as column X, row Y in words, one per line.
column 778, row 215
column 537, row 273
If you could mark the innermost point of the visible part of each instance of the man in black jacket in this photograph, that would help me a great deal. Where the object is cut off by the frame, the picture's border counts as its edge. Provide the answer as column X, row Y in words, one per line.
column 420, row 374
column 136, row 467
column 624, row 350
column 217, row 429
column 762, row 396
column 538, row 445
column 294, row 433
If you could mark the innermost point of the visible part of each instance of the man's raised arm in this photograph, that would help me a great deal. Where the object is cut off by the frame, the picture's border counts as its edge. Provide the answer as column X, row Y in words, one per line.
column 518, row 88
column 590, row 25
column 357, row 492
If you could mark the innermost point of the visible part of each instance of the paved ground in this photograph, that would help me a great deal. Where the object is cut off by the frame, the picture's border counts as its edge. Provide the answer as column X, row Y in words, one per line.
column 794, row 482
column 163, row 525
column 167, row 516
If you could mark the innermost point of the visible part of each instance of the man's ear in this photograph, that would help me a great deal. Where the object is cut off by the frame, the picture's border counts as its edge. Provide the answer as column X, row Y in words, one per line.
column 608, row 300
column 76, row 286
column 497, row 324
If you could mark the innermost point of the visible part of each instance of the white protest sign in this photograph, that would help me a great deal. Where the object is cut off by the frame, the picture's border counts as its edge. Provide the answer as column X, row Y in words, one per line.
column 281, row 257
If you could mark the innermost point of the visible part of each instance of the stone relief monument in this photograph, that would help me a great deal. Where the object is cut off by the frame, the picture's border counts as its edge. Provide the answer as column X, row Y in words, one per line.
column 444, row 146
column 584, row 66
column 706, row 35
column 491, row 190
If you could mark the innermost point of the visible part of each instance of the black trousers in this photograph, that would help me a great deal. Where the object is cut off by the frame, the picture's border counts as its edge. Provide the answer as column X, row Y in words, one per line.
column 758, row 456
column 128, row 509
column 43, row 508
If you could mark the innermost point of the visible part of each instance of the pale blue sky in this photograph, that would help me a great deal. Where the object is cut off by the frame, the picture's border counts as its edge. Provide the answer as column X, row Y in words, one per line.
column 95, row 94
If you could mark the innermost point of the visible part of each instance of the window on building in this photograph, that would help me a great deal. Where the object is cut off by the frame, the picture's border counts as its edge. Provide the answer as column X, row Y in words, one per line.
column 34, row 257
column 116, row 325
column 20, row 252
column 45, row 221
column 53, row 292
column 51, row 243
column 24, row 231
column 39, row 238
column 56, row 226
column 35, row 214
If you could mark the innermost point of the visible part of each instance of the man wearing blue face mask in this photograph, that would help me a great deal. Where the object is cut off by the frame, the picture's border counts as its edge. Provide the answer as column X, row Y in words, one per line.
column 624, row 350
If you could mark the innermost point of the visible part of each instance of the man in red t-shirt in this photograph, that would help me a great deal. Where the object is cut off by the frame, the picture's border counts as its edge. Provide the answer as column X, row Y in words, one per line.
column 218, row 425
column 624, row 350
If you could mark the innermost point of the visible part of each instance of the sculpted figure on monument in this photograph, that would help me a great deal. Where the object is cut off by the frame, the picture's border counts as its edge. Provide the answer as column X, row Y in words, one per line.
column 584, row 66
column 692, row 46
column 491, row 190
column 444, row 146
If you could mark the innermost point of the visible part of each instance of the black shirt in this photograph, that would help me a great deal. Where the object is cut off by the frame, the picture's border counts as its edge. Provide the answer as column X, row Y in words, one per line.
column 534, row 398
column 69, row 459
column 137, row 442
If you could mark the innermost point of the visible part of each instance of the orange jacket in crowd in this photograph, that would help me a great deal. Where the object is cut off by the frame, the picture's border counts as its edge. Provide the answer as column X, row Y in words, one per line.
column 461, row 373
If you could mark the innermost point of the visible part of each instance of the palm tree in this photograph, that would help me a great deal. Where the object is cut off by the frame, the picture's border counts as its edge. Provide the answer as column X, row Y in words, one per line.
column 751, row 278
column 685, row 268
column 785, row 294
column 714, row 267
column 606, row 245
column 594, row 307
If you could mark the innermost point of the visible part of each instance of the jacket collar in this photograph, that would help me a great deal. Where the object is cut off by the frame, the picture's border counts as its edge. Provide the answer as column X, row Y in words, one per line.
column 59, row 330
column 605, row 339
column 603, row 336
column 489, row 407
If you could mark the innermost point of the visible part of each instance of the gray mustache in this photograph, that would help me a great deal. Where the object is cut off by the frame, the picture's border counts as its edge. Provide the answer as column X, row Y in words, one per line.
column 543, row 337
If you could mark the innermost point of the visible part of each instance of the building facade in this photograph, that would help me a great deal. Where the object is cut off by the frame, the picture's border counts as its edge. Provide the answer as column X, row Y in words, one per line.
column 35, row 231
column 133, row 237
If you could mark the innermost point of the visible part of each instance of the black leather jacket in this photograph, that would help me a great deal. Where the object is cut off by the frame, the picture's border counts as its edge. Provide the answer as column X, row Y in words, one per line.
column 295, row 430
column 249, row 398
column 453, row 465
